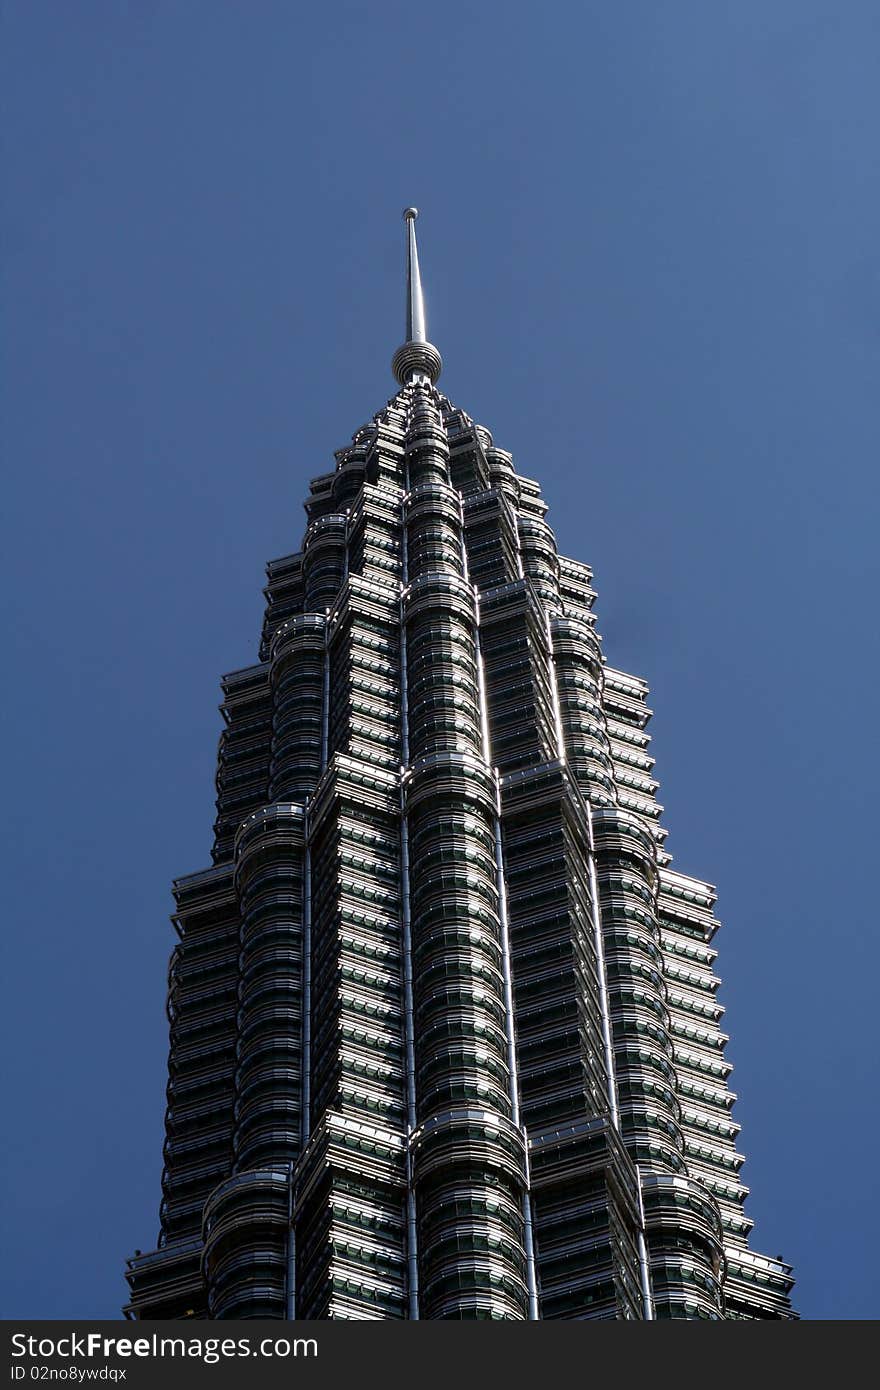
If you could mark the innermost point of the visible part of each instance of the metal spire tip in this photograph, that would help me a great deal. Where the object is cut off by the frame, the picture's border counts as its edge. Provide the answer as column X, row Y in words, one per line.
column 417, row 358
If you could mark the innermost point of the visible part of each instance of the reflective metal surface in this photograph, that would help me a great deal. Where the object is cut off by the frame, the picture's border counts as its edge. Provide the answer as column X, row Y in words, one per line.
column 417, row 359
column 444, row 1034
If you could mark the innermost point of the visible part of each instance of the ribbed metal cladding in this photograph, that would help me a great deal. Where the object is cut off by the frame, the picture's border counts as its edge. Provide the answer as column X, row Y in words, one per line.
column 269, row 878
column 445, row 1036
column 297, row 683
column 470, row 1160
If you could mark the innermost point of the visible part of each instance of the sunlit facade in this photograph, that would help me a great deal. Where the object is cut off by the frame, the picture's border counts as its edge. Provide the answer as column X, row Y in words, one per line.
column 445, row 1037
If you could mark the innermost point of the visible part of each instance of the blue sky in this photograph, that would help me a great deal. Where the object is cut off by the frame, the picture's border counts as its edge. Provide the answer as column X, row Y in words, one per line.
column 650, row 239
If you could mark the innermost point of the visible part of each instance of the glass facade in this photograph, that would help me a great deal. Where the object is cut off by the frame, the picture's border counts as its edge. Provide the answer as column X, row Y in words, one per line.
column 444, row 1033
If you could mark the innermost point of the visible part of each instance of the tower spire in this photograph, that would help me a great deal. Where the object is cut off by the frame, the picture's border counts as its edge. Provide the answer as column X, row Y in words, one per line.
column 415, row 302
column 417, row 358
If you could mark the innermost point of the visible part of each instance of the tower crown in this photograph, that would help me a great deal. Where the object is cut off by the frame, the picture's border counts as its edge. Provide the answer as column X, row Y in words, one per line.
column 416, row 359
column 441, row 992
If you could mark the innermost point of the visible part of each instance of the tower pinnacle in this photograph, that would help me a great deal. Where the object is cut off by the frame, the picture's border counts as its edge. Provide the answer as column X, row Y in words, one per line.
column 417, row 358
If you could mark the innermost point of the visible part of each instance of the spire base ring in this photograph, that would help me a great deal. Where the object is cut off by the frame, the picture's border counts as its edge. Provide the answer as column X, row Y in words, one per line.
column 416, row 359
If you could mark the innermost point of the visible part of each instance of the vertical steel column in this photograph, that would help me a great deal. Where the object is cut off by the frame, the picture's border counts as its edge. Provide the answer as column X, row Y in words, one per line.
column 306, row 1066
column 599, row 947
column 307, row 902
column 528, row 1231
column 412, row 1249
column 290, row 1289
column 644, row 1267
column 507, row 977
column 529, row 1242
column 325, row 699
column 505, row 962
column 307, row 990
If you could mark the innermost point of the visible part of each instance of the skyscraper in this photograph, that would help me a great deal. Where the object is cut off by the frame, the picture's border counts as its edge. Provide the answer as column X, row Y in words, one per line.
column 445, row 1040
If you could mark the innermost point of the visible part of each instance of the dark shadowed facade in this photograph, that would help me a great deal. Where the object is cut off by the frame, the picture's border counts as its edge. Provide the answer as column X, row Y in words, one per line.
column 445, row 1040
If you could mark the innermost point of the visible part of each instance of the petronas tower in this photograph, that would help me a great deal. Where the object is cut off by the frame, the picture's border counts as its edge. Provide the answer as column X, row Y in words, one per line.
column 445, row 1040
